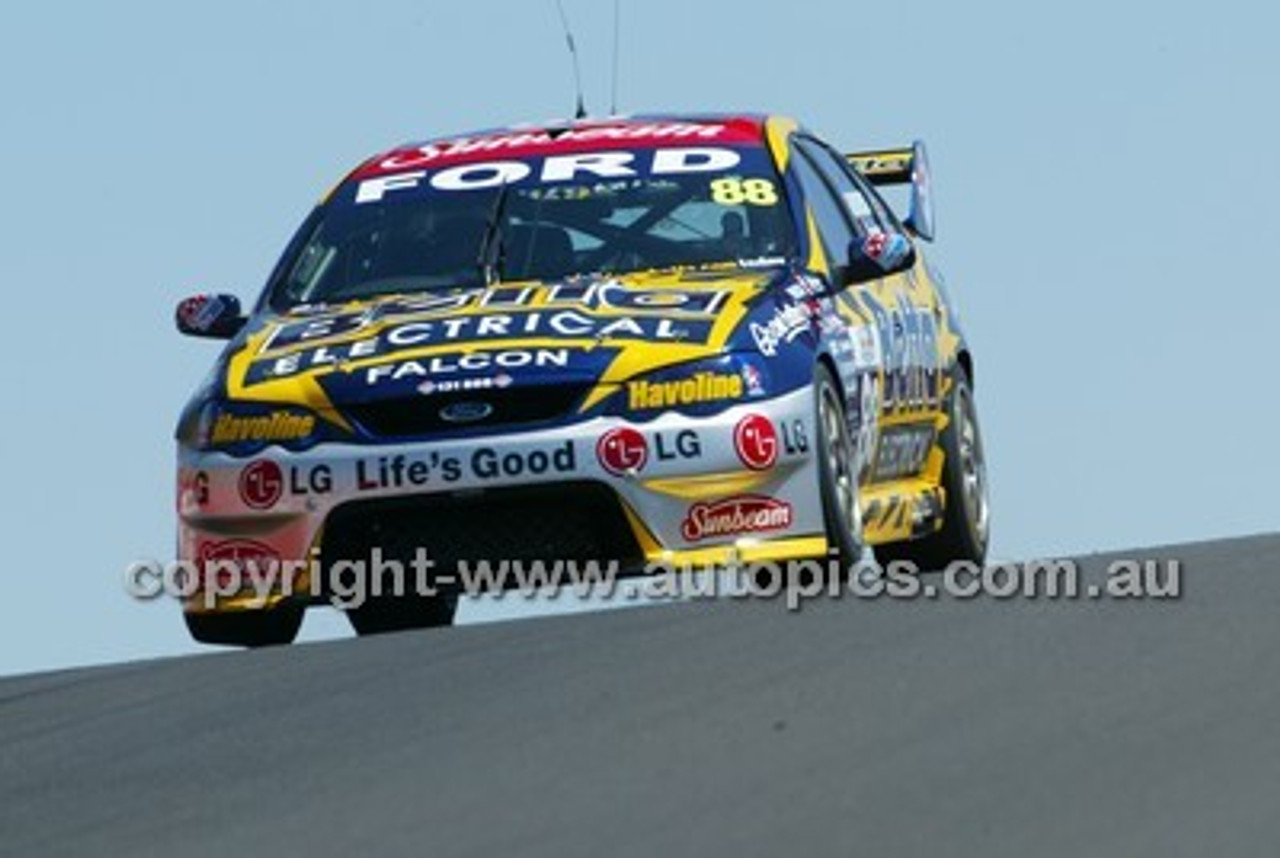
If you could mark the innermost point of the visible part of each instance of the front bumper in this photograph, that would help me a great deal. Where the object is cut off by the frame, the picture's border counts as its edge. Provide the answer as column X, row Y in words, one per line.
column 738, row 486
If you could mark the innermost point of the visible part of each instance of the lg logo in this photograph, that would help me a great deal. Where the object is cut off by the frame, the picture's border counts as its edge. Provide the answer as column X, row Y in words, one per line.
column 622, row 451
column 261, row 484
column 756, row 441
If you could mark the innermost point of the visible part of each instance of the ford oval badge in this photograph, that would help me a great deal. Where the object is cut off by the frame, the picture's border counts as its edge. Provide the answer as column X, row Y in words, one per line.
column 466, row 412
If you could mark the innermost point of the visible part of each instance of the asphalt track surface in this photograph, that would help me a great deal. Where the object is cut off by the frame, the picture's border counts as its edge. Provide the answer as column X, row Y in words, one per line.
column 725, row 727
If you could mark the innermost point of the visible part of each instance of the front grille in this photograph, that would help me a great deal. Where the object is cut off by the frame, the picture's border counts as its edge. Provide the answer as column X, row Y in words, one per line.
column 411, row 417
column 572, row 522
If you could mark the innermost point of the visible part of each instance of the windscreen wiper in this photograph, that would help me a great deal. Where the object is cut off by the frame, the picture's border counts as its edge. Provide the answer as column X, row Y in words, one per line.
column 489, row 260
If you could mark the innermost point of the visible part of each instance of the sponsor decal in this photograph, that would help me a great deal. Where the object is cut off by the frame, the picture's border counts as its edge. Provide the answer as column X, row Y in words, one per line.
column 455, row 385
column 756, row 441
column 598, row 189
column 622, row 451
column 592, row 310
column 261, row 484
column 477, row 305
column 787, row 323
column 734, row 516
column 683, row 445
column 865, row 343
column 795, row 437
column 276, row 426
column 310, row 480
column 903, row 450
column 838, row 335
column 880, row 163
column 753, row 379
column 832, row 326
column 565, row 324
column 485, row 463
column 857, row 206
column 535, row 139
column 220, row 561
column 625, row 451
column 400, row 471
column 488, row 464
column 618, row 164
column 907, row 338
column 700, row 388
column 805, row 286
column 864, row 421
column 477, row 362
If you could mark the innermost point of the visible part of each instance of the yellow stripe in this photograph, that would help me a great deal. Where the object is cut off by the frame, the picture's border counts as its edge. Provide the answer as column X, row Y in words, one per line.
column 817, row 257
column 707, row 485
column 778, row 131
column 797, row 548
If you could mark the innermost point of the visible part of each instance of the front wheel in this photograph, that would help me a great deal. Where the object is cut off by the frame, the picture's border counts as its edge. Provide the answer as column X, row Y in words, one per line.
column 966, row 525
column 837, row 471
column 267, row 627
column 381, row 615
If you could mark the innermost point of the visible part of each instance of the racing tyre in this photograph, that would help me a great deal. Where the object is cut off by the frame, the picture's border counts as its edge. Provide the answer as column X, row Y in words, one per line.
column 380, row 616
column 966, row 526
column 271, row 627
column 837, row 471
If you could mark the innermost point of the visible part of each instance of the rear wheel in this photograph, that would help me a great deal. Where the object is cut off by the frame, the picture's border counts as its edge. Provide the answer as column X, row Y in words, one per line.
column 268, row 627
column 966, row 526
column 382, row 615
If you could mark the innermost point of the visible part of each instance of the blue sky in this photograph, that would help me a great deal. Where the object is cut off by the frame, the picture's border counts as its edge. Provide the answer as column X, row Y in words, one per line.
column 1104, row 172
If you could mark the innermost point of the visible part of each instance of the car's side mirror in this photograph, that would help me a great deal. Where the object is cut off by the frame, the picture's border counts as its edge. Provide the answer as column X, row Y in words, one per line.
column 215, row 317
column 878, row 255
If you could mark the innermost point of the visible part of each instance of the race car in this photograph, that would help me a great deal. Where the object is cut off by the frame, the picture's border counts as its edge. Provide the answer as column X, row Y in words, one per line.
column 656, row 342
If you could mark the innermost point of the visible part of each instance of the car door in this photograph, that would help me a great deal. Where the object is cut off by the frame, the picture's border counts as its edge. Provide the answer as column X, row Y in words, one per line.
column 893, row 326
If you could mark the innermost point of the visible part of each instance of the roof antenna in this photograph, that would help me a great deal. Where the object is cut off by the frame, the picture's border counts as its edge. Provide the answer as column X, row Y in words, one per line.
column 581, row 112
column 617, row 29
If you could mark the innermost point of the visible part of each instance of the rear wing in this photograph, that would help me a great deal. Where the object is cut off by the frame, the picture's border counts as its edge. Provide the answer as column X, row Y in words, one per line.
column 909, row 166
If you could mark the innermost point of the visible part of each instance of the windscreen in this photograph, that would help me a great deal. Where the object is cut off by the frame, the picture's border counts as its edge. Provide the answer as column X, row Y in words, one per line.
column 544, row 217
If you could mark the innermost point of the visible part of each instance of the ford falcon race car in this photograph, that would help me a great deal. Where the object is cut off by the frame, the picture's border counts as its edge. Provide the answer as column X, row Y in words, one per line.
column 688, row 341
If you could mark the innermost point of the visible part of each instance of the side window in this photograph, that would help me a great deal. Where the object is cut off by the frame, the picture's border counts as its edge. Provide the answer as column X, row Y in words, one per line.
column 882, row 209
column 861, row 204
column 833, row 225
